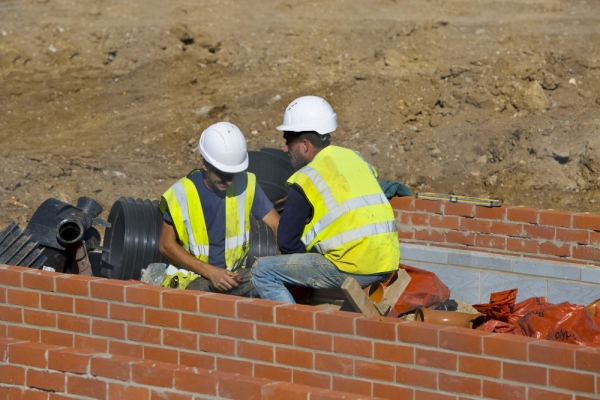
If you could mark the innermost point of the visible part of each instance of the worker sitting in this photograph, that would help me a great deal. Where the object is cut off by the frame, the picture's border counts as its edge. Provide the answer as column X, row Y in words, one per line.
column 337, row 222
column 206, row 217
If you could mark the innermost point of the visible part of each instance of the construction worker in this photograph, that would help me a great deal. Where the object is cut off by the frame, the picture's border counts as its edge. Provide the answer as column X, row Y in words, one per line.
column 206, row 216
column 337, row 223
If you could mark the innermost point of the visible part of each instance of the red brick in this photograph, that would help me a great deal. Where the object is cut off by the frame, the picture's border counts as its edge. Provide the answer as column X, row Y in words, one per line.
column 588, row 359
column 273, row 372
column 294, row 357
column 522, row 245
column 334, row 363
column 311, row 378
column 444, row 222
column 551, row 249
column 257, row 310
column 164, row 395
column 57, row 338
column 586, row 253
column 166, row 318
column 91, row 343
column 522, row 214
column 199, row 360
column 199, row 323
column 553, row 353
column 141, row 333
column 108, row 328
column 394, row 352
column 377, row 328
column 299, row 315
column 463, row 340
column 240, row 387
column 126, row 313
column 490, row 242
column 525, row 373
column 39, row 279
column 161, row 354
column 403, row 203
column 419, row 219
column 429, row 235
column 153, row 373
column 12, row 375
column 113, row 367
column 392, row 391
column 406, row 235
column 46, row 380
column 116, row 391
column 507, row 346
column 313, row 340
column 24, row 333
column 178, row 338
column 74, row 323
column 235, row 328
column 21, row 297
column 255, row 351
column 274, row 334
column 539, row 232
column 28, row 353
column 475, row 225
column 462, row 210
column 374, row 370
column 144, row 294
column 541, row 394
column 495, row 213
column 219, row 304
column 419, row 332
column 40, row 318
column 595, row 238
column 436, row 359
column 11, row 277
column 183, row 300
column 503, row 391
column 460, row 384
column 506, row 229
column 426, row 395
column 234, row 366
column 479, row 366
column 572, row 236
column 126, row 349
column 351, row 385
column 586, row 221
column 87, row 387
column 356, row 347
column 416, row 377
column 57, row 302
column 109, row 289
column 2, row 295
column 11, row 314
column 430, row 206
column 73, row 284
column 91, row 307
column 217, row 345
column 555, row 218
column 195, row 381
column 465, row 238
column 69, row 360
column 571, row 380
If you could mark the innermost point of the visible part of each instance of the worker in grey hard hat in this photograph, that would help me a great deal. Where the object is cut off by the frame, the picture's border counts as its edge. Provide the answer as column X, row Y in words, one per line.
column 206, row 217
column 337, row 223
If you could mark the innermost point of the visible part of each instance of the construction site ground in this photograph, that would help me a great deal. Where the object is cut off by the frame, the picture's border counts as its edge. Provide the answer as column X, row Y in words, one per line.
column 486, row 98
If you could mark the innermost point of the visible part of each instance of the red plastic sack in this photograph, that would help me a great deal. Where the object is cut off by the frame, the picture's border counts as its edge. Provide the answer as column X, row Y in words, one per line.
column 425, row 289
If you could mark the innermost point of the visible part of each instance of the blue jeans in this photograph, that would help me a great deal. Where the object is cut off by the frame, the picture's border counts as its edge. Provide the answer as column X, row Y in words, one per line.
column 304, row 269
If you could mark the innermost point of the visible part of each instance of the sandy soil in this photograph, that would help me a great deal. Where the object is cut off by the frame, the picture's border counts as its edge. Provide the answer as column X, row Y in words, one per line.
column 107, row 98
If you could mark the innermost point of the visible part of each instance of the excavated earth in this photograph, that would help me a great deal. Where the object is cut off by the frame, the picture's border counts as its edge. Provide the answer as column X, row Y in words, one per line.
column 485, row 98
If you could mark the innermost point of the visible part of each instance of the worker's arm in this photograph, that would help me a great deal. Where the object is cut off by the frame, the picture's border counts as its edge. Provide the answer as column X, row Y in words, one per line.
column 272, row 221
column 296, row 214
column 220, row 278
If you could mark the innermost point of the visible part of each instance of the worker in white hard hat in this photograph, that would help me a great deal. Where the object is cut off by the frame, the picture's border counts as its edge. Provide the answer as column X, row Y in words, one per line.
column 206, row 216
column 337, row 222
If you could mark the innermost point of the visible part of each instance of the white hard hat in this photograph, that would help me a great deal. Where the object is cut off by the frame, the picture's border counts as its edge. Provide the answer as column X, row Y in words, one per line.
column 223, row 146
column 309, row 113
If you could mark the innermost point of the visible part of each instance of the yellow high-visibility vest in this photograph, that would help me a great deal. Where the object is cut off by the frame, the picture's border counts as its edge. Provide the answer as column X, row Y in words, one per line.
column 183, row 202
column 353, row 223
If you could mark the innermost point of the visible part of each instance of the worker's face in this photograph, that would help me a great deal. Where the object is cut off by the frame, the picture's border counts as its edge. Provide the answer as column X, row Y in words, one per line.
column 297, row 149
column 217, row 181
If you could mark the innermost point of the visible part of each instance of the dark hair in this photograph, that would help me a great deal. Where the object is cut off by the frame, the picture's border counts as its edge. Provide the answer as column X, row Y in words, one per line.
column 317, row 140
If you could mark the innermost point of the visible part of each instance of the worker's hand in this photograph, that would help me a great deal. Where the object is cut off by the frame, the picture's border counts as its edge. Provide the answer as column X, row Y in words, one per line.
column 222, row 279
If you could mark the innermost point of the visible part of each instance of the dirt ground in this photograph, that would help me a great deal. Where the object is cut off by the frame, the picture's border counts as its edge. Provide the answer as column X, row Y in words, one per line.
column 487, row 98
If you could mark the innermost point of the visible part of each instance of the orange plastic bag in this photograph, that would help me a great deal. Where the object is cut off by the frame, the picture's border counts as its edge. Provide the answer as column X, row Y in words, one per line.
column 425, row 289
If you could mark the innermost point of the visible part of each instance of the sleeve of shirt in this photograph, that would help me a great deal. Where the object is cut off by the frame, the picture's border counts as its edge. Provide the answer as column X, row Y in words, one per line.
column 261, row 204
column 296, row 214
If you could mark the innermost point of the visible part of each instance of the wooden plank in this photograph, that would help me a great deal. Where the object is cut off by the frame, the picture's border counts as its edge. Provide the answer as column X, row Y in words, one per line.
column 358, row 298
column 393, row 292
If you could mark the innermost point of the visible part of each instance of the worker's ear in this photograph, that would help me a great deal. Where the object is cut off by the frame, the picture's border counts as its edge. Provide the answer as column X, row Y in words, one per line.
column 306, row 145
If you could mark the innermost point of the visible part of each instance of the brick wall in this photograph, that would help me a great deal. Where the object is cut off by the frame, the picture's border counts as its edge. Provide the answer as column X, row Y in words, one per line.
column 74, row 337
column 549, row 234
